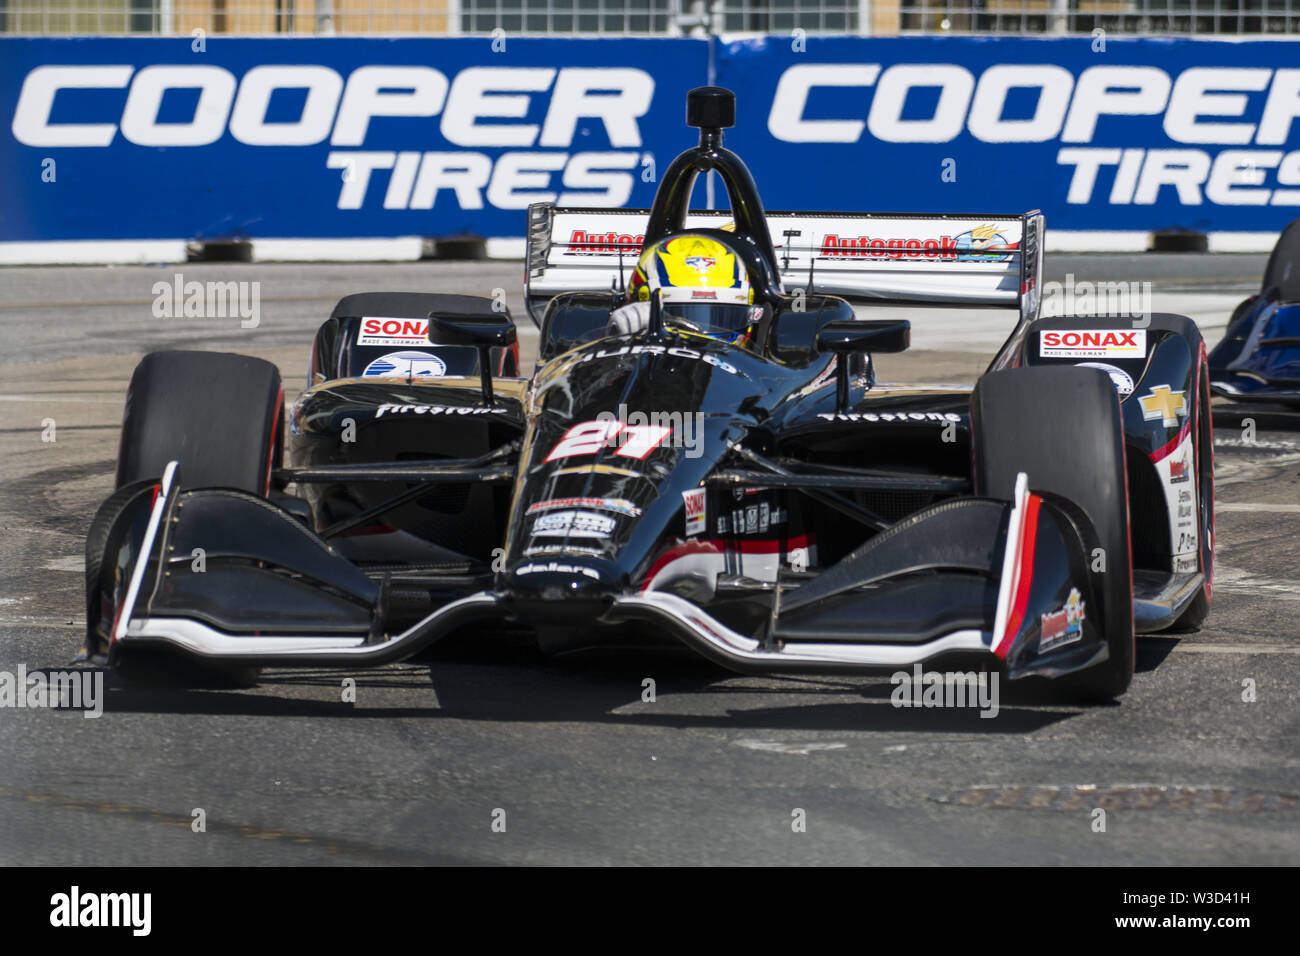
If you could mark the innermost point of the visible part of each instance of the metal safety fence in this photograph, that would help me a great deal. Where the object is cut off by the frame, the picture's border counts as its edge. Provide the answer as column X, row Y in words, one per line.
column 649, row 17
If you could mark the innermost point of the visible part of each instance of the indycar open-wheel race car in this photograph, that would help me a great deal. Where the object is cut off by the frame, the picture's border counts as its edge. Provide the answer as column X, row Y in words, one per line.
column 1259, row 356
column 762, row 500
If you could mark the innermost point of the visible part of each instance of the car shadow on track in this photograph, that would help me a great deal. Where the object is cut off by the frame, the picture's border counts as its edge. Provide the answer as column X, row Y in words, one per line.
column 1153, row 649
column 690, row 693
column 273, row 695
column 604, row 689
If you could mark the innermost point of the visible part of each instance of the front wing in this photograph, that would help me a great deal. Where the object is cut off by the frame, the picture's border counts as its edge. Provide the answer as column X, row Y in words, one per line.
column 1005, row 583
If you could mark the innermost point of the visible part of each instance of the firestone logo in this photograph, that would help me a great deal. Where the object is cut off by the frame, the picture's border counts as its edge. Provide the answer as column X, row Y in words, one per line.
column 1093, row 343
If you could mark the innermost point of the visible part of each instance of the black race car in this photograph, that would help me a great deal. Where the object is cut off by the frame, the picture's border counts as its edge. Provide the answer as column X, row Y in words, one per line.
column 768, row 504
column 1258, row 358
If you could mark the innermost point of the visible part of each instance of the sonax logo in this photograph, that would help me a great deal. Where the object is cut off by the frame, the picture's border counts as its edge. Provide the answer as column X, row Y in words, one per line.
column 381, row 331
column 1093, row 343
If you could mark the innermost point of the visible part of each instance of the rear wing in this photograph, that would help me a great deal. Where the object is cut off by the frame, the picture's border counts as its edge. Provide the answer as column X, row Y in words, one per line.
column 893, row 257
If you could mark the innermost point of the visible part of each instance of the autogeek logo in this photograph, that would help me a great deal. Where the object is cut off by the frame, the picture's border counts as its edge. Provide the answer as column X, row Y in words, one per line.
column 478, row 107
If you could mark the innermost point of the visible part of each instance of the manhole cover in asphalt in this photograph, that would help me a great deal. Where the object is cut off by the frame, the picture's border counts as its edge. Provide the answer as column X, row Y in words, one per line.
column 1118, row 797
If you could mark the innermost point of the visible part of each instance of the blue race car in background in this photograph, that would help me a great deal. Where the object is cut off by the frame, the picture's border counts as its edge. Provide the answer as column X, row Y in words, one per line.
column 1259, row 357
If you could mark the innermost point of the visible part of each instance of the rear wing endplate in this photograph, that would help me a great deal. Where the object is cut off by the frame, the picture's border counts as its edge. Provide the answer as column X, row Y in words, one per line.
column 894, row 257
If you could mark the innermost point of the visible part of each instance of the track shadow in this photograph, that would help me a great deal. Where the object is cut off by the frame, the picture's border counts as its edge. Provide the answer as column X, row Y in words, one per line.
column 599, row 689
column 242, row 704
column 691, row 693
column 265, row 701
column 1152, row 651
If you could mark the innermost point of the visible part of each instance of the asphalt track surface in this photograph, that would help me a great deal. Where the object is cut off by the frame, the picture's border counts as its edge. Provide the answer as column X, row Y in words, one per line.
column 718, row 769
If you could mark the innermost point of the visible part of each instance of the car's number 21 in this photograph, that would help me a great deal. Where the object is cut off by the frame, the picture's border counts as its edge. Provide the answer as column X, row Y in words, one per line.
column 588, row 438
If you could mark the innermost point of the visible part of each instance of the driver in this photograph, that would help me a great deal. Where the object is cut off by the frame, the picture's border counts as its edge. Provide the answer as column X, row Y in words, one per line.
column 703, row 286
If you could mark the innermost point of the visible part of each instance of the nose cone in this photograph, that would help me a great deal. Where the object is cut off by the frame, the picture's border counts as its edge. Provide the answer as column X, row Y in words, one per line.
column 561, row 586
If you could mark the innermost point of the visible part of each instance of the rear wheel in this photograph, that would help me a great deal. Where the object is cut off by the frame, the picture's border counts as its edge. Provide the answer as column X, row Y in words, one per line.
column 219, row 416
column 1061, row 426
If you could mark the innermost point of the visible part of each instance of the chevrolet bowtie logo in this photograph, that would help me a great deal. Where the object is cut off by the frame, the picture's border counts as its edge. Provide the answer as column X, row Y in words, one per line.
column 1164, row 404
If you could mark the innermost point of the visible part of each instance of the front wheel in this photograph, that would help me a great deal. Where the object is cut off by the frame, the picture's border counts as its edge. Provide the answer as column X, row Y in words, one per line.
column 219, row 416
column 1061, row 426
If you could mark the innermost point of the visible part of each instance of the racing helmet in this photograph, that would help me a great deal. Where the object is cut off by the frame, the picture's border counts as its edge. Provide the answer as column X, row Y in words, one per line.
column 703, row 286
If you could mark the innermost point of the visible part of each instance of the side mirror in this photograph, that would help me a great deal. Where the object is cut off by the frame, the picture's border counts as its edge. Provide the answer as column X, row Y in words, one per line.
column 481, row 330
column 873, row 335
column 846, row 336
column 476, row 329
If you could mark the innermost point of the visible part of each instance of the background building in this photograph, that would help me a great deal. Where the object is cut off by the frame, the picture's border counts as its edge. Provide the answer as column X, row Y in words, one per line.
column 649, row 17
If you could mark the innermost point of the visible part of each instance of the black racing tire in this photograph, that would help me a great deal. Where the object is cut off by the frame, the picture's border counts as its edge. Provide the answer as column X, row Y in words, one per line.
column 1061, row 425
column 215, row 413
column 103, row 528
column 1283, row 272
column 219, row 416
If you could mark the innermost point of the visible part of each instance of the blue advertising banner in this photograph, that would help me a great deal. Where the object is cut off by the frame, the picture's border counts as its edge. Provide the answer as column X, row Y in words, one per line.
column 1101, row 134
column 151, row 138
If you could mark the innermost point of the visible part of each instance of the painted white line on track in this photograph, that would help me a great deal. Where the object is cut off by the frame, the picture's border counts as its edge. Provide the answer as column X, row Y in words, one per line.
column 1235, row 471
column 72, row 562
column 803, row 748
column 1185, row 648
column 37, row 397
column 60, row 623
column 1222, row 506
column 1257, row 445
column 1238, row 581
